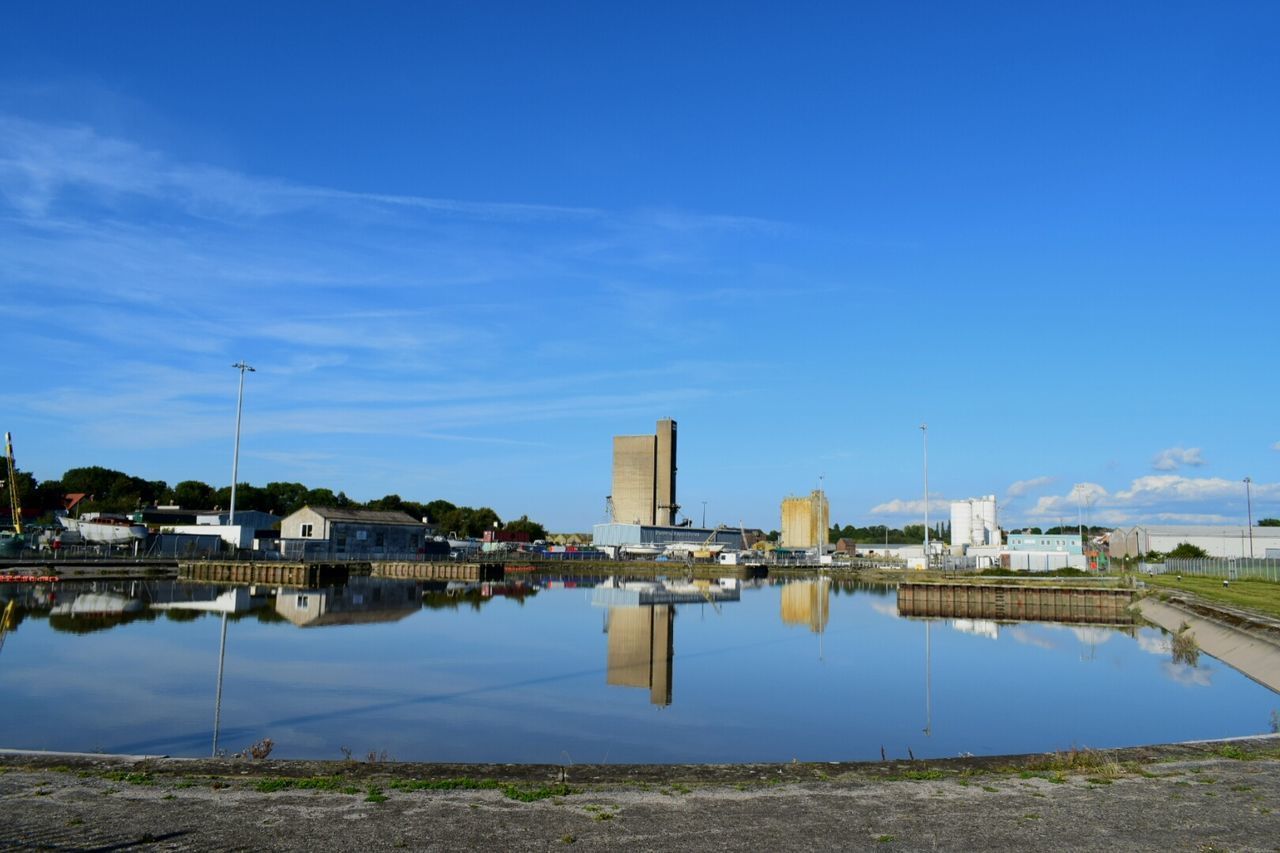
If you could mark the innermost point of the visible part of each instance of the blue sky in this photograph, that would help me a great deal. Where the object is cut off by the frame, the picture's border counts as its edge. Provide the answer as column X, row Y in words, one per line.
column 465, row 244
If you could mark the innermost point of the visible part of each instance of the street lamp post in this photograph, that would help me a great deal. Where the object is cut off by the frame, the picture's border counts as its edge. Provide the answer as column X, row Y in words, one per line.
column 235, row 456
column 924, row 429
column 1248, row 497
column 704, row 515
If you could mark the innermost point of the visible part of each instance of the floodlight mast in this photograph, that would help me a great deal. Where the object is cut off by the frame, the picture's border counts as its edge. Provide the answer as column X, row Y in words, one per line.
column 235, row 456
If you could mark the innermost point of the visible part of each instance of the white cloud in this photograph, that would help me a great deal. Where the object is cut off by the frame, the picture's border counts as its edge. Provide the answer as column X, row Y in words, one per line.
column 1170, row 498
column 913, row 508
column 1276, row 446
column 1022, row 487
column 1172, row 458
column 1187, row 676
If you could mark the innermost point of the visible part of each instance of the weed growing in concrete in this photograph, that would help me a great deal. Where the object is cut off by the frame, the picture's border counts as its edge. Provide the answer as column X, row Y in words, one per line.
column 567, row 839
column 883, row 839
column 131, row 778
column 1185, row 648
column 308, row 783
column 514, row 792
column 258, row 751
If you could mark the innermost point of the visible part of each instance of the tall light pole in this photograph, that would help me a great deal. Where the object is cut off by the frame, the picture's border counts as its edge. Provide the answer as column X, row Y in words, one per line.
column 704, row 515
column 1248, row 497
column 235, row 456
column 924, row 428
column 821, row 523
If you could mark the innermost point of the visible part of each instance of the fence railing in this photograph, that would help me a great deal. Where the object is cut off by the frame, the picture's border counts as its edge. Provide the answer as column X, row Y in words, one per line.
column 1227, row 568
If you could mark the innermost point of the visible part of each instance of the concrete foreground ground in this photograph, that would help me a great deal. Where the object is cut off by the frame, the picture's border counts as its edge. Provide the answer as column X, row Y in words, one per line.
column 1222, row 795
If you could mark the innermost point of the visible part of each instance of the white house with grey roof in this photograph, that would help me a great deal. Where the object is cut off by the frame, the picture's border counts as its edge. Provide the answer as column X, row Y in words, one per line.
column 368, row 534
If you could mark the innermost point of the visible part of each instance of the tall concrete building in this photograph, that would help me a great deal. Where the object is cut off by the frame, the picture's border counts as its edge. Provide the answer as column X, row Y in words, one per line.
column 805, row 521
column 644, row 477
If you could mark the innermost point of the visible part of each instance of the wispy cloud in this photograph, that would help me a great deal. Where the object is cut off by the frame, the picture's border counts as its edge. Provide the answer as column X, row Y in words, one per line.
column 1022, row 487
column 1158, row 497
column 912, row 508
column 1173, row 458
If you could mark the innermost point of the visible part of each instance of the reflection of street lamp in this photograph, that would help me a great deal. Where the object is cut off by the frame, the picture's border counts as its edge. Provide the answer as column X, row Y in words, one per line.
column 1249, row 502
column 217, row 702
column 235, row 457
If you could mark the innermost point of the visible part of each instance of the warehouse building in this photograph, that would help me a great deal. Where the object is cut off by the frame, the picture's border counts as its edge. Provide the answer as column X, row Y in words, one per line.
column 1217, row 541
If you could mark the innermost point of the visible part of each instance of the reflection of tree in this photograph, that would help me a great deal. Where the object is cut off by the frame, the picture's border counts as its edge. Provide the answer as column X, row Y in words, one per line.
column 90, row 623
column 442, row 598
column 183, row 615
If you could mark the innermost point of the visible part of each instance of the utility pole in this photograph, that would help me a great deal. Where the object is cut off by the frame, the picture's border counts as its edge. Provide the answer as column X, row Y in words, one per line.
column 1248, row 496
column 235, row 456
column 924, row 428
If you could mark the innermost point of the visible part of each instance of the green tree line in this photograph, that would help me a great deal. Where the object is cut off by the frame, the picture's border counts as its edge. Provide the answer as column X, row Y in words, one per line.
column 118, row 492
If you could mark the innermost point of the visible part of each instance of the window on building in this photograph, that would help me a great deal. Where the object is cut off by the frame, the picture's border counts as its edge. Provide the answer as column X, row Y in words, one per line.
column 362, row 535
column 306, row 531
column 302, row 599
column 341, row 544
column 377, row 540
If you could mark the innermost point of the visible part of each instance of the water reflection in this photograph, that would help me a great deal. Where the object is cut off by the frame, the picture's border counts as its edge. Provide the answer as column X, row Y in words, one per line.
column 362, row 600
column 640, row 624
column 641, row 649
column 508, row 672
column 807, row 603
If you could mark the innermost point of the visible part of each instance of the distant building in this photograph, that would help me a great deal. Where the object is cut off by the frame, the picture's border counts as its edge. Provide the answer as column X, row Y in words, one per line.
column 617, row 534
column 973, row 522
column 805, row 521
column 644, row 477
column 351, row 533
column 1066, row 543
column 1217, row 541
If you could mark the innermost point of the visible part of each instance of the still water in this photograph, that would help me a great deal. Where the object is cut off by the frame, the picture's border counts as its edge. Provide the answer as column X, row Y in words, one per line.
column 569, row 670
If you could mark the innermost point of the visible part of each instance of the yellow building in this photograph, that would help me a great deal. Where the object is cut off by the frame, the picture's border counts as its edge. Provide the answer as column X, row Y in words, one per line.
column 805, row 521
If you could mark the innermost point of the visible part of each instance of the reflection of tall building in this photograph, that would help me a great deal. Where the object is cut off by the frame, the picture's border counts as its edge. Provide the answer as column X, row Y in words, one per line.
column 644, row 477
column 640, row 649
column 807, row 603
column 805, row 521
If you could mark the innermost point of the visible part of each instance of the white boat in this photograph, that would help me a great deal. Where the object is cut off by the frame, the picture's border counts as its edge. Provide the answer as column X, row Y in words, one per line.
column 108, row 529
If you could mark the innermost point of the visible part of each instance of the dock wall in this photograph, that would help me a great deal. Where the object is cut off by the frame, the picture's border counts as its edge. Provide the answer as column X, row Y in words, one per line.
column 1016, row 603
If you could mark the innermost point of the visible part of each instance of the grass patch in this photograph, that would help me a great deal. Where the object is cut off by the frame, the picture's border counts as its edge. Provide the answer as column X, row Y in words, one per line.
column 131, row 778
column 883, row 839
column 466, row 783
column 376, row 795
column 1079, row 761
column 1235, row 752
column 306, row 783
column 1251, row 594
